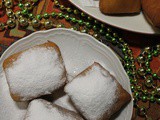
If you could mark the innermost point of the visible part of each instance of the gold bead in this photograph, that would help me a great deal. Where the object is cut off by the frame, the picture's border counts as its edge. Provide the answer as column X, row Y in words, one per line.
column 158, row 91
column 56, row 3
column 10, row 13
column 9, row 3
column 149, row 83
column 28, row 6
column 23, row 22
column 35, row 23
column 95, row 35
column 1, row 26
column 141, row 59
column 59, row 26
column 48, row 24
column 141, row 71
column 147, row 49
column 11, row 23
column 18, row 14
column 158, row 47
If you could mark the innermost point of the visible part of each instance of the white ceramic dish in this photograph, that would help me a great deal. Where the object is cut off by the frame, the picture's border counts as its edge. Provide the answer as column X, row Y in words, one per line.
column 79, row 50
column 136, row 23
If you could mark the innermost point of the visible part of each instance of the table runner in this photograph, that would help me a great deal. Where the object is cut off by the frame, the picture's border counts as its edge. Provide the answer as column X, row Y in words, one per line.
column 135, row 41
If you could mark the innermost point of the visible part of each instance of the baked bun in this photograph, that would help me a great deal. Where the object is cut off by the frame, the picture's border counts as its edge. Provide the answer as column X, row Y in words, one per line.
column 43, row 110
column 119, row 6
column 35, row 72
column 96, row 94
column 151, row 10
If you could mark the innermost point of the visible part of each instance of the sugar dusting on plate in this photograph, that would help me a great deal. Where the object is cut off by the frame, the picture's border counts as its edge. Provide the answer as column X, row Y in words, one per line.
column 37, row 71
column 9, row 109
column 93, row 93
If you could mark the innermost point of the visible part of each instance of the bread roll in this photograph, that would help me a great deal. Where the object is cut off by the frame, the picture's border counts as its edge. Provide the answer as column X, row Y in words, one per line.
column 151, row 10
column 96, row 94
column 120, row 6
column 35, row 72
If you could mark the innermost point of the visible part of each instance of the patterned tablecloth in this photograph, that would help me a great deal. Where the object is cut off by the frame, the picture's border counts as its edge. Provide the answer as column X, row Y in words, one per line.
column 136, row 42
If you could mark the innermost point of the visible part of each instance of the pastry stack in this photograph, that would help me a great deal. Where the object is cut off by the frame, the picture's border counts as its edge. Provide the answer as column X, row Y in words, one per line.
column 94, row 94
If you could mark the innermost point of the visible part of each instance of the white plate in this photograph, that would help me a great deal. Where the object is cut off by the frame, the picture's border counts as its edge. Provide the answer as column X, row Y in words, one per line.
column 136, row 23
column 79, row 50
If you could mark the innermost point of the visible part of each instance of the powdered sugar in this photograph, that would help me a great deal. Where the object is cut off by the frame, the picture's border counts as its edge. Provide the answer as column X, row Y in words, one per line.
column 43, row 110
column 65, row 102
column 36, row 72
column 9, row 109
column 93, row 93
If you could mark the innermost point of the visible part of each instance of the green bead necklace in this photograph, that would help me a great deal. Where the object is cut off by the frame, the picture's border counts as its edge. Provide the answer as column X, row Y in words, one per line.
column 100, row 31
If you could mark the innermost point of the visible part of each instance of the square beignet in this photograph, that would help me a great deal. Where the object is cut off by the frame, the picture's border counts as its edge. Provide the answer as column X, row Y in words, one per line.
column 43, row 110
column 120, row 6
column 96, row 93
column 151, row 10
column 35, row 72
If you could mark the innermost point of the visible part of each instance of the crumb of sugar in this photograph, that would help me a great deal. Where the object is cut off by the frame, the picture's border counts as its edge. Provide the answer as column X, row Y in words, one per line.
column 65, row 102
column 9, row 109
column 94, row 93
column 43, row 110
column 36, row 72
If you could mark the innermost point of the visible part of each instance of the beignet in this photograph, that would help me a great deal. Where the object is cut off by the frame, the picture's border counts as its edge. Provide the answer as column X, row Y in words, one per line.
column 151, row 10
column 96, row 94
column 42, row 110
column 119, row 6
column 35, row 72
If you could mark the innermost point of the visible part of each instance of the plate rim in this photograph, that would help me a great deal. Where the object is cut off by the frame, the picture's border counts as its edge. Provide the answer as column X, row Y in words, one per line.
column 121, row 28
column 76, row 32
